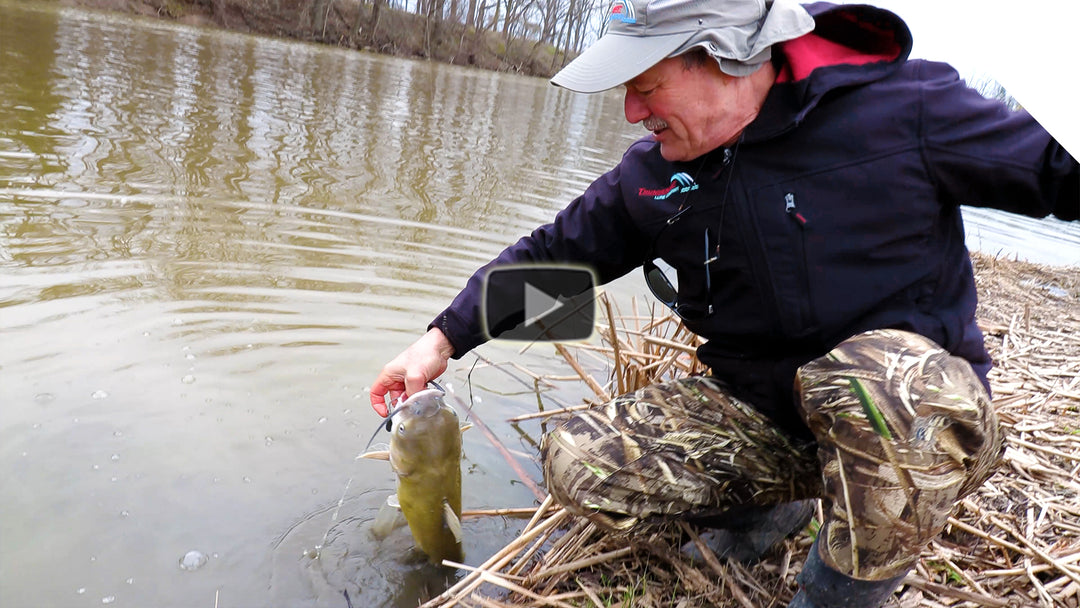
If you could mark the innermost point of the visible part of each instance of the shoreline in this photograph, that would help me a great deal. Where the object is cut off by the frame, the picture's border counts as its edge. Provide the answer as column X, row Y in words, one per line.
column 353, row 25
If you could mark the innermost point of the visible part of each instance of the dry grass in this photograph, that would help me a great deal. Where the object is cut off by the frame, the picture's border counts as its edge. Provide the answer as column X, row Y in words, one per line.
column 1015, row 542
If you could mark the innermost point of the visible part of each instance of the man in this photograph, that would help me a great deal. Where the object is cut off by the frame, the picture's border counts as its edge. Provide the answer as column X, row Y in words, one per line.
column 818, row 245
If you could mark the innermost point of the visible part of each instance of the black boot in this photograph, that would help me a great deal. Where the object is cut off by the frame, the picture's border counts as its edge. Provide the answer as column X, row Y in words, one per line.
column 746, row 534
column 822, row 587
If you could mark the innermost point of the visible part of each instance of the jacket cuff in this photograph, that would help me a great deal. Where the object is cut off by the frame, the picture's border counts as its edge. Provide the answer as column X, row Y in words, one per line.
column 459, row 333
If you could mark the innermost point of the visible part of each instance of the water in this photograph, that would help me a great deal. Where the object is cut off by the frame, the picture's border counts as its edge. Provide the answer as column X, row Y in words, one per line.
column 209, row 243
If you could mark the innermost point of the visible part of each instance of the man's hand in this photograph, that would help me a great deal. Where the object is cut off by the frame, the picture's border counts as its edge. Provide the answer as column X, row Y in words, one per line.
column 410, row 371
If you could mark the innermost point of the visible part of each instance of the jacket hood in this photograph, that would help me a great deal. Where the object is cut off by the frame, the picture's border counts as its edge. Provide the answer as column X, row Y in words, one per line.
column 851, row 44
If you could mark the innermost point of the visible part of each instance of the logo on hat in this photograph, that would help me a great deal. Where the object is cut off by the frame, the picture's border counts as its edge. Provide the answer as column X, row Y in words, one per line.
column 622, row 10
column 680, row 182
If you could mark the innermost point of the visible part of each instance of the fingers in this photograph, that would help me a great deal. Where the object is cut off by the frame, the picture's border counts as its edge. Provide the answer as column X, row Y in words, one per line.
column 379, row 406
column 416, row 380
column 387, row 388
column 409, row 372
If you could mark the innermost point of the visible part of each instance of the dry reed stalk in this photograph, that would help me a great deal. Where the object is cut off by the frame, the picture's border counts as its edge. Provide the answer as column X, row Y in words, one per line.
column 1015, row 542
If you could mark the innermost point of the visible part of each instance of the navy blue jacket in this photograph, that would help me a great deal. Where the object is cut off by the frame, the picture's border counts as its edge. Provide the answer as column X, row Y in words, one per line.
column 842, row 212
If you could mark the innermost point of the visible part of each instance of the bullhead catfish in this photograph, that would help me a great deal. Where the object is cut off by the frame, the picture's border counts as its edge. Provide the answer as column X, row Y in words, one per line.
column 425, row 452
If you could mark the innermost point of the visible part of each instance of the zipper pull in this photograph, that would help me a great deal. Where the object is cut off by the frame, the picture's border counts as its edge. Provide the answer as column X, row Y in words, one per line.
column 789, row 208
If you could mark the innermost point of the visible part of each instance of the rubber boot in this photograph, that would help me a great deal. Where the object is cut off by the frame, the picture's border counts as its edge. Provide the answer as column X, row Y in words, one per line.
column 822, row 587
column 745, row 535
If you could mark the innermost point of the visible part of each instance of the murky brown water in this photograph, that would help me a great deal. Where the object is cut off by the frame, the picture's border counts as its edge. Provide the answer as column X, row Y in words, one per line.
column 209, row 243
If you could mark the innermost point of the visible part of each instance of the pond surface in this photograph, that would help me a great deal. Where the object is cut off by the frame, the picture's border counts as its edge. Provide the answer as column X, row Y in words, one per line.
column 209, row 244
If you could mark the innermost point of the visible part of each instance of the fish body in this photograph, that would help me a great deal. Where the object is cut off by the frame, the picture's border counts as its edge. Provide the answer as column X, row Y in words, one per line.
column 425, row 453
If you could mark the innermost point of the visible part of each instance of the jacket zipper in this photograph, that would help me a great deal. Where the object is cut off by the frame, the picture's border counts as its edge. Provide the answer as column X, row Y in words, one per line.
column 793, row 213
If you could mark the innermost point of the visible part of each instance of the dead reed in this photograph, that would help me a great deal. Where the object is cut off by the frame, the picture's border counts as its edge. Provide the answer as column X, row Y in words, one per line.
column 1015, row 542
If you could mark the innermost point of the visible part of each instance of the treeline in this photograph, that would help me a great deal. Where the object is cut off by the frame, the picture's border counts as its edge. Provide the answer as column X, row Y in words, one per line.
column 534, row 37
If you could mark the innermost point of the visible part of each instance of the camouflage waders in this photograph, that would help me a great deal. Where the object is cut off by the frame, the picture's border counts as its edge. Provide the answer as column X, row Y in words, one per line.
column 904, row 430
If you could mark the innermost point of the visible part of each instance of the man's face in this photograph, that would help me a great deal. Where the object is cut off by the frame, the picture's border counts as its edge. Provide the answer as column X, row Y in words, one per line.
column 690, row 111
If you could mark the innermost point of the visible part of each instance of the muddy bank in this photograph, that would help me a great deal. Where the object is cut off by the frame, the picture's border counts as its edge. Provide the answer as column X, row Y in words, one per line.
column 354, row 25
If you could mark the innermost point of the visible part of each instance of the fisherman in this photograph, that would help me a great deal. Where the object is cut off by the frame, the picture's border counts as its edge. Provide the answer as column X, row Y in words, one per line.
column 824, row 172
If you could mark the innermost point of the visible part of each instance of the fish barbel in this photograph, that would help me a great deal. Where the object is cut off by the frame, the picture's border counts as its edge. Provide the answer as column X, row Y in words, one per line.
column 425, row 453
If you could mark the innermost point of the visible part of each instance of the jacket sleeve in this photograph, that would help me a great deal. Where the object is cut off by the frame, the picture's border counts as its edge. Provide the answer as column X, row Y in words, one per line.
column 595, row 230
column 980, row 153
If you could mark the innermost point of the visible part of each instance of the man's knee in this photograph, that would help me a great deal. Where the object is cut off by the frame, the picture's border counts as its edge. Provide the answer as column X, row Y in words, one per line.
column 902, row 387
column 904, row 431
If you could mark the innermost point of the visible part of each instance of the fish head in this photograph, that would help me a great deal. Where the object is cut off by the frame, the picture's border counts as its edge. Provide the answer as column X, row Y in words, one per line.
column 423, row 430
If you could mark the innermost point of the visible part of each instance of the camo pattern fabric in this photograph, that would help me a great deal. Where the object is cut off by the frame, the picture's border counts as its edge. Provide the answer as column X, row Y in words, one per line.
column 904, row 430
column 682, row 448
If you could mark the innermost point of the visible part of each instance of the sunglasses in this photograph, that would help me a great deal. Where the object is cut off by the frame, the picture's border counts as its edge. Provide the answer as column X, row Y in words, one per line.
column 667, row 292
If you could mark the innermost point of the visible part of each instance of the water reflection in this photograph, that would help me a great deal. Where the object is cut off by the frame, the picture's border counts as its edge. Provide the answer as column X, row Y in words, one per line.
column 208, row 243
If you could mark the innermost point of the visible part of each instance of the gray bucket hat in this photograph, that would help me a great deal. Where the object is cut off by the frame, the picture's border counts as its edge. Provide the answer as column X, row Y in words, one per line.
column 739, row 34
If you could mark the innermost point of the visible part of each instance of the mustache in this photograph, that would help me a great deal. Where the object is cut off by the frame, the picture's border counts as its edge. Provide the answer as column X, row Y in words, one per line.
column 653, row 123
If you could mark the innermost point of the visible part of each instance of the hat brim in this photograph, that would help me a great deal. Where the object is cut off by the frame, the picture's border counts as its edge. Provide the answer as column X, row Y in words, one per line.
column 615, row 59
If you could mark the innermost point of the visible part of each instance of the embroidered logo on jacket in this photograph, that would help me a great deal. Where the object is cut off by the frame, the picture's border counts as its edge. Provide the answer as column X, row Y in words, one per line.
column 622, row 10
column 680, row 182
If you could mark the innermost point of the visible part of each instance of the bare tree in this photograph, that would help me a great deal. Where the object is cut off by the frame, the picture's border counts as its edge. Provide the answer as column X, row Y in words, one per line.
column 320, row 11
column 992, row 89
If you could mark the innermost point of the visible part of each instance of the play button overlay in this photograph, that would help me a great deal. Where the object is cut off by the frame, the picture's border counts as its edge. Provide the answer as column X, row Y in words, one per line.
column 539, row 302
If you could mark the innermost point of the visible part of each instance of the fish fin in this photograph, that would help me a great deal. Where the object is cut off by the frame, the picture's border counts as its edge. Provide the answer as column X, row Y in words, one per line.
column 452, row 521
column 466, row 426
column 376, row 455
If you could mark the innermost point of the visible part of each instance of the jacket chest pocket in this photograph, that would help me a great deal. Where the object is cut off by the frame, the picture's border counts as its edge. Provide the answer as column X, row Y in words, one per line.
column 839, row 244
column 785, row 231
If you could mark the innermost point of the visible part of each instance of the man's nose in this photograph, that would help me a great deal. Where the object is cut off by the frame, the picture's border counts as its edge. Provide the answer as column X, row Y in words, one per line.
column 634, row 107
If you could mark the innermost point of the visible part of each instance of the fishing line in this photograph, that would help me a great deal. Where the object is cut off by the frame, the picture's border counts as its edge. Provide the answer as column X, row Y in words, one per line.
column 333, row 518
column 468, row 382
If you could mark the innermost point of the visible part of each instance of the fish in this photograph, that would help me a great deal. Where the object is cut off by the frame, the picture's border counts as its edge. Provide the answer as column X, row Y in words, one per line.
column 425, row 453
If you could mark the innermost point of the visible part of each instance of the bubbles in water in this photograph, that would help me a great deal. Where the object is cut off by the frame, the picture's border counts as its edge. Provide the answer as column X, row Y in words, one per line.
column 81, row 590
column 108, row 599
column 99, row 394
column 114, row 457
column 269, row 440
column 188, row 379
column 44, row 398
column 322, row 420
column 130, row 581
column 193, row 560
column 177, row 321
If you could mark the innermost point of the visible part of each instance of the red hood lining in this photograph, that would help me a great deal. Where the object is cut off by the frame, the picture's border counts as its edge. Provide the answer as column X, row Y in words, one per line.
column 807, row 53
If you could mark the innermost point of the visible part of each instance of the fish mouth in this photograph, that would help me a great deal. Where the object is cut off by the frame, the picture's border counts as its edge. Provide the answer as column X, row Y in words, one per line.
column 425, row 403
column 424, row 409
